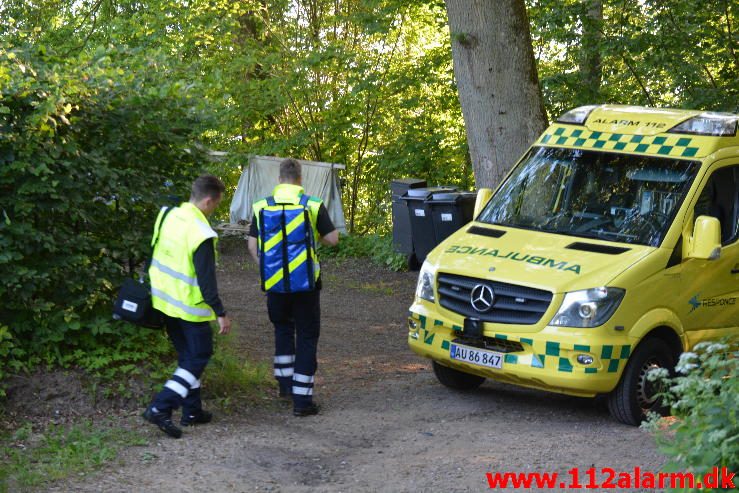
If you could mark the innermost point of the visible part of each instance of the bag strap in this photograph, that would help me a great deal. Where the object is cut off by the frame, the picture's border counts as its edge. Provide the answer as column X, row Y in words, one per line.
column 285, row 257
column 167, row 210
column 309, row 247
column 261, row 247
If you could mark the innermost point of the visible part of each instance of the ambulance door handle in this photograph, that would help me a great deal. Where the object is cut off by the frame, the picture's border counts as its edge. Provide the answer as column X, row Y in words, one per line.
column 735, row 270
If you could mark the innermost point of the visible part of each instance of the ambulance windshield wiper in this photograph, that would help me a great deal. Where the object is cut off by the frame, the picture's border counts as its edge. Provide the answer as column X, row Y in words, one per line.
column 614, row 233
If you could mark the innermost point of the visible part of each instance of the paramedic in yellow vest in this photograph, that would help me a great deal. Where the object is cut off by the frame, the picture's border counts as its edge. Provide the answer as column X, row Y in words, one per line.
column 296, row 316
column 184, row 289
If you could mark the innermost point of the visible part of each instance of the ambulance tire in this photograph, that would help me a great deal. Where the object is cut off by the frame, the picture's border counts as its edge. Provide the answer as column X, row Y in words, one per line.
column 413, row 263
column 634, row 396
column 455, row 379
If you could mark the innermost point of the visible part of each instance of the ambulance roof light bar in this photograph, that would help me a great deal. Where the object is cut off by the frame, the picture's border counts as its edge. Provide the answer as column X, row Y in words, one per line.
column 577, row 116
column 708, row 123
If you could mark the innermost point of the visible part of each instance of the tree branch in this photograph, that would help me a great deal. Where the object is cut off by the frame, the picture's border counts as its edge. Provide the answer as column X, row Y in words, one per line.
column 730, row 33
column 91, row 13
column 638, row 79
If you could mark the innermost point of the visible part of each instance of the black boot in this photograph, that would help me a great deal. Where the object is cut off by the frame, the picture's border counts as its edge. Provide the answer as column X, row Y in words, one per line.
column 309, row 410
column 164, row 421
column 198, row 417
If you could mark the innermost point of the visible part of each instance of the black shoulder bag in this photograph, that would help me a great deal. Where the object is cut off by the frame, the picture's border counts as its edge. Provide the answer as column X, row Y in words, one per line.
column 134, row 298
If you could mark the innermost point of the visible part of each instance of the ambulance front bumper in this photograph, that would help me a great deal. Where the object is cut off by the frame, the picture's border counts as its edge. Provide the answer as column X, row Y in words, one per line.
column 546, row 359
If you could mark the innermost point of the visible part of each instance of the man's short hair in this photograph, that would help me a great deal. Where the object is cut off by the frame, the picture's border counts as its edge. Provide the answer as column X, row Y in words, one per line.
column 289, row 170
column 207, row 186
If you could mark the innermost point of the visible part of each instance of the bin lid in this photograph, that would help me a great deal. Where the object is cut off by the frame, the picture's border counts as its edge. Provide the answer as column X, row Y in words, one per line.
column 400, row 186
column 445, row 196
column 452, row 197
column 424, row 193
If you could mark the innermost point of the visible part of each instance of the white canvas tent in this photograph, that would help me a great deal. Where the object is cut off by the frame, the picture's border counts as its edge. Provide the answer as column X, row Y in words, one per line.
column 261, row 176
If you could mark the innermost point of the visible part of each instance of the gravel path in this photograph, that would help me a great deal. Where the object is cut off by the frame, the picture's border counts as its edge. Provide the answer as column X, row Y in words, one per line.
column 385, row 425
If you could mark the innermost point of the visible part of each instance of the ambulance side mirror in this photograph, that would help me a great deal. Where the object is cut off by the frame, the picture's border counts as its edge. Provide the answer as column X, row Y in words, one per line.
column 483, row 196
column 705, row 243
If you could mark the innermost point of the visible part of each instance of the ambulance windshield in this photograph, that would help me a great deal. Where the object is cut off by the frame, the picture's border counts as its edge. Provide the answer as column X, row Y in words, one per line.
column 606, row 196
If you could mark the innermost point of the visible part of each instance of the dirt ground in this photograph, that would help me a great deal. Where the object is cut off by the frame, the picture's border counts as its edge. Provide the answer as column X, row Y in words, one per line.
column 386, row 424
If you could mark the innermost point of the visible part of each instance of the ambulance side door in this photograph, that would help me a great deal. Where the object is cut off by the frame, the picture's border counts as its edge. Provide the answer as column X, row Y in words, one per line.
column 710, row 303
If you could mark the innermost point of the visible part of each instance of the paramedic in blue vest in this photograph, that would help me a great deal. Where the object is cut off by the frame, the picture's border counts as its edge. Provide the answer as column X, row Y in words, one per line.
column 184, row 289
column 296, row 315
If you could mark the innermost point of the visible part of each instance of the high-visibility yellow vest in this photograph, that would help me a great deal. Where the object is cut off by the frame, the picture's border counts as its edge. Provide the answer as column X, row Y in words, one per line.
column 174, row 283
column 292, row 265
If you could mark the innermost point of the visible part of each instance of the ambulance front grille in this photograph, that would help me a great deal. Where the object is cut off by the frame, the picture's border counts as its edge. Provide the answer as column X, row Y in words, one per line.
column 512, row 304
column 492, row 343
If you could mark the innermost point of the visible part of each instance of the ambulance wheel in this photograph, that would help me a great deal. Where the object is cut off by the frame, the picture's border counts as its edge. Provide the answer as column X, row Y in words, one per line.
column 455, row 379
column 413, row 264
column 635, row 395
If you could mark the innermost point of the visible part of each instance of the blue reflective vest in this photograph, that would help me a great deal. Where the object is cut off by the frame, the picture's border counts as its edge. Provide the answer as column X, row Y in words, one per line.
column 287, row 243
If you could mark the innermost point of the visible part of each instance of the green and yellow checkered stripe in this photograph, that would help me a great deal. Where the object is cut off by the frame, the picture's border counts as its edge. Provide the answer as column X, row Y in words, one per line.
column 675, row 146
column 543, row 354
column 611, row 356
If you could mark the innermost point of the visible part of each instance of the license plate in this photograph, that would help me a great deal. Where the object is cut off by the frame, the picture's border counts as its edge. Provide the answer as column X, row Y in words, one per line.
column 475, row 356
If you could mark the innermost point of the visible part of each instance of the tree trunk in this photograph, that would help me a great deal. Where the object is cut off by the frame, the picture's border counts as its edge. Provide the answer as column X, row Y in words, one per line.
column 497, row 82
column 591, row 69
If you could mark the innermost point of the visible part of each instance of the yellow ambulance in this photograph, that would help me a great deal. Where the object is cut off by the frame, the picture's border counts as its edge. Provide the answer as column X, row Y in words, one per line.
column 609, row 249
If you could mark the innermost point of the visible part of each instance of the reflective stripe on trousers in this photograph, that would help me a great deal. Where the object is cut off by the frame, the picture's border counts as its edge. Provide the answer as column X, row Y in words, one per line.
column 181, row 382
column 284, row 365
column 303, row 384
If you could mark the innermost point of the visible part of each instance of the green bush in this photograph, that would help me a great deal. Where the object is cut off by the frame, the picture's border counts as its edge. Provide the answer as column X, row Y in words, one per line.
column 705, row 400
column 9, row 354
column 375, row 247
column 90, row 148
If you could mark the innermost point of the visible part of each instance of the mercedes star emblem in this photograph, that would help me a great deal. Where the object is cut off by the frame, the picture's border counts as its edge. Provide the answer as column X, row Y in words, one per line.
column 482, row 298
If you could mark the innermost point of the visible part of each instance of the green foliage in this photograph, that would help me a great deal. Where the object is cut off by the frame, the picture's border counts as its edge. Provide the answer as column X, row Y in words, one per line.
column 705, row 401
column 32, row 458
column 368, row 84
column 365, row 83
column 379, row 249
column 9, row 354
column 87, row 150
column 138, row 354
column 663, row 53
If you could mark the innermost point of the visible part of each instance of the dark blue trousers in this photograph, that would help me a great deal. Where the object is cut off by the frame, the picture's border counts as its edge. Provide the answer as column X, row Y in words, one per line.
column 297, row 321
column 193, row 342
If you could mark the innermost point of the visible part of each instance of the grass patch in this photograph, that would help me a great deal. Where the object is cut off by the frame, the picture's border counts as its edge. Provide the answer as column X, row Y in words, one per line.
column 30, row 458
column 231, row 379
column 379, row 249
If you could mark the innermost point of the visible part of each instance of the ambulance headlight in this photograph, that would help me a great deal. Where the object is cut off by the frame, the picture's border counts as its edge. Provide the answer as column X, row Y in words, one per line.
column 576, row 116
column 588, row 308
column 425, row 287
column 709, row 123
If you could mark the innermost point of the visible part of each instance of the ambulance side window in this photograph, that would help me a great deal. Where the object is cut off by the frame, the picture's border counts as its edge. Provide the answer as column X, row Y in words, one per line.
column 720, row 199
